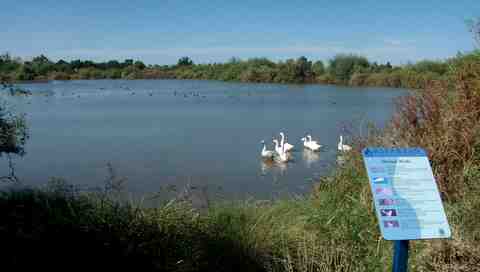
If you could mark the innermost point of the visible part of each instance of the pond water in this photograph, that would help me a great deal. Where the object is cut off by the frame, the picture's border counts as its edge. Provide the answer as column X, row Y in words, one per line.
column 164, row 133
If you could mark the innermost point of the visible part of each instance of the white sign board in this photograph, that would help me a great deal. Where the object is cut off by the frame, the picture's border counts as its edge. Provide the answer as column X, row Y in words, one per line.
column 407, row 201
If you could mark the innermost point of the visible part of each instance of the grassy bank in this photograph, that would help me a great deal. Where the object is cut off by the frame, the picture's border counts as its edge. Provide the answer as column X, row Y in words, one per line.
column 332, row 230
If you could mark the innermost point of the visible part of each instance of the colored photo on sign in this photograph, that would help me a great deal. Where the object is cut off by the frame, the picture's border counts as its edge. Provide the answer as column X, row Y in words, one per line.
column 391, row 224
column 384, row 191
column 380, row 180
column 388, row 212
column 386, row 202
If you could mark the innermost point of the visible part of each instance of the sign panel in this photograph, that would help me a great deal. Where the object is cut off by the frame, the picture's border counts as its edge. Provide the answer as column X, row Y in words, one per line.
column 407, row 201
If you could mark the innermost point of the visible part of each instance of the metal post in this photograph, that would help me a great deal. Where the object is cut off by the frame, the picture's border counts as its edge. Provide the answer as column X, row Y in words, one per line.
column 400, row 256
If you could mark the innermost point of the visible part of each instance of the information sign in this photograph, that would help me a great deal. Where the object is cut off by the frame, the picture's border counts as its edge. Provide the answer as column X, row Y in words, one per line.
column 407, row 200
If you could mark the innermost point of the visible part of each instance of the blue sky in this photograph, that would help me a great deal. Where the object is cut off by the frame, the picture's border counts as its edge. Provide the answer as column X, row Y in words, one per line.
column 161, row 31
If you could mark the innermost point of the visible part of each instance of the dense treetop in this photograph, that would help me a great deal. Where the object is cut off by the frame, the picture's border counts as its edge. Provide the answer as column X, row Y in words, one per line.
column 345, row 69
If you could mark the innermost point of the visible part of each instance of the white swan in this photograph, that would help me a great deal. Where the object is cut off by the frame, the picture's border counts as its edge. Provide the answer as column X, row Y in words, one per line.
column 282, row 155
column 266, row 154
column 309, row 138
column 343, row 147
column 312, row 145
column 288, row 147
column 278, row 147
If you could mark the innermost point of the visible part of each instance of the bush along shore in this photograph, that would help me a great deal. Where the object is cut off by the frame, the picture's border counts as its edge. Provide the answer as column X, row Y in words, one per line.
column 332, row 229
column 343, row 69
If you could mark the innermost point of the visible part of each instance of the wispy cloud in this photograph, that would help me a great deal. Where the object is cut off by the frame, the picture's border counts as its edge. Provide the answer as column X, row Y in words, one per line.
column 398, row 42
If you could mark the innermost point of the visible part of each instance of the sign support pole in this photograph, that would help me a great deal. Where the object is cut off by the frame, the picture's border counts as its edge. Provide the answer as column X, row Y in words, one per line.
column 400, row 256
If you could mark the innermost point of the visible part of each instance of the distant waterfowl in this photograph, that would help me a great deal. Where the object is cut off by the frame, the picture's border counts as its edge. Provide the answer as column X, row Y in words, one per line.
column 343, row 147
column 267, row 154
column 286, row 146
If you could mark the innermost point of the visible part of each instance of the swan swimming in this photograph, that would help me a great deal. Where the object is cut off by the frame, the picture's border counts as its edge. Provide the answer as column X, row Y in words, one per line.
column 309, row 138
column 288, row 147
column 312, row 145
column 278, row 147
column 266, row 154
column 343, row 147
column 282, row 155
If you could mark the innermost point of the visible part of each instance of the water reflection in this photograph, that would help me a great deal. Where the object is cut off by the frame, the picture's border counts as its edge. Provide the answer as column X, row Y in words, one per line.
column 340, row 159
column 310, row 157
column 270, row 166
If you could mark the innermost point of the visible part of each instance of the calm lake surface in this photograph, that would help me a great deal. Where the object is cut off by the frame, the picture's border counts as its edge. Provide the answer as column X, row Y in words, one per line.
column 156, row 134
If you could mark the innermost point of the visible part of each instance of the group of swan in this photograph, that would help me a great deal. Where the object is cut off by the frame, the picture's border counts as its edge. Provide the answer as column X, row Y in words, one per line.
column 282, row 148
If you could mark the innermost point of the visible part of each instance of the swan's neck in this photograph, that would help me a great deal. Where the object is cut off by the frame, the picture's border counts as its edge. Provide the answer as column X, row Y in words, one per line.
column 264, row 148
column 309, row 138
column 282, row 140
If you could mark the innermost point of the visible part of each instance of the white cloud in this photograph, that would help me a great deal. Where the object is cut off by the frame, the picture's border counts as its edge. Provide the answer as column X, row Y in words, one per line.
column 397, row 42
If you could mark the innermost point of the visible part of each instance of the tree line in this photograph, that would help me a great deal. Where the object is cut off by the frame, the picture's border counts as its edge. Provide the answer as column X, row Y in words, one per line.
column 343, row 69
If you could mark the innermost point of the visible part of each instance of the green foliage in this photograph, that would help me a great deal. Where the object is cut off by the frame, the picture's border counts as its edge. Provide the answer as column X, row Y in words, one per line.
column 184, row 61
column 318, row 68
column 139, row 65
column 13, row 133
column 342, row 67
column 347, row 69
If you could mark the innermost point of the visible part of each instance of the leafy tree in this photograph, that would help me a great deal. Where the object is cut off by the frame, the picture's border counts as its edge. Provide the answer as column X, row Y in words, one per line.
column 318, row 68
column 26, row 72
column 184, row 61
column 62, row 66
column 139, row 65
column 13, row 132
column 343, row 66
column 41, row 60
column 113, row 64
column 303, row 68
column 425, row 66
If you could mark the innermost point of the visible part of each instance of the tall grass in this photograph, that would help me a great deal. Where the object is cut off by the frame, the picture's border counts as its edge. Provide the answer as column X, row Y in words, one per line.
column 329, row 231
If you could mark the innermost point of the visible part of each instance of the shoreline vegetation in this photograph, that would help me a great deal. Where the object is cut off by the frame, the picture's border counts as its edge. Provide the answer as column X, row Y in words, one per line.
column 332, row 229
column 342, row 69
